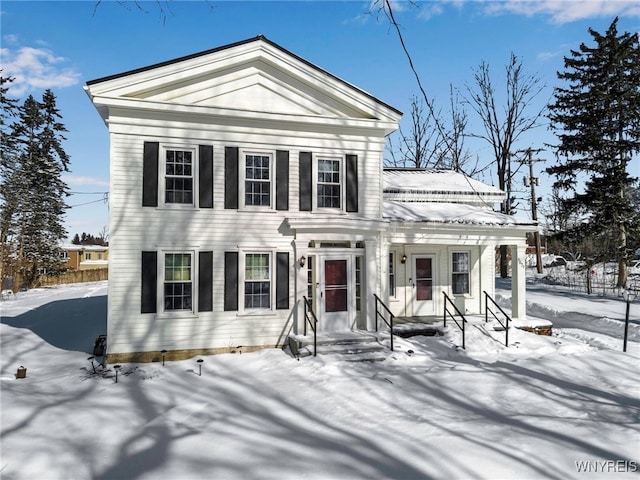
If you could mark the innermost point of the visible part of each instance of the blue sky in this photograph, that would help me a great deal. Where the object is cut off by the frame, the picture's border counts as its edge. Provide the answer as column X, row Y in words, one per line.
column 61, row 45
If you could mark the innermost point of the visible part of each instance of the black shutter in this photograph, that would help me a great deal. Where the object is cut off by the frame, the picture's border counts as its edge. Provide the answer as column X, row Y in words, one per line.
column 282, row 280
column 149, row 282
column 306, row 181
column 231, row 177
column 150, row 174
column 205, row 281
column 230, row 281
column 352, row 183
column 205, row 176
column 282, row 180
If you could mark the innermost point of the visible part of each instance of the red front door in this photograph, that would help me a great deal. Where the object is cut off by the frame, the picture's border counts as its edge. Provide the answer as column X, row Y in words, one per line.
column 335, row 294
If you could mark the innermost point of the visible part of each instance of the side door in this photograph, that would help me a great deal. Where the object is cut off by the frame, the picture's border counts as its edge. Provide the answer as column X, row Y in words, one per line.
column 423, row 282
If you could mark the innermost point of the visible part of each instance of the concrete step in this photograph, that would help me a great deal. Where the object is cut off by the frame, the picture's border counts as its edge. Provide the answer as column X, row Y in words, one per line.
column 352, row 345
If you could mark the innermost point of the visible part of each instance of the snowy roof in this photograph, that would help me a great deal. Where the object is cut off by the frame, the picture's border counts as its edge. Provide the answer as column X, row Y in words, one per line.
column 437, row 185
column 453, row 213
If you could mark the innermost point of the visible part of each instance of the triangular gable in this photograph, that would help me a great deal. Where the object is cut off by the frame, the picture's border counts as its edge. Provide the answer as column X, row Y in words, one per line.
column 254, row 75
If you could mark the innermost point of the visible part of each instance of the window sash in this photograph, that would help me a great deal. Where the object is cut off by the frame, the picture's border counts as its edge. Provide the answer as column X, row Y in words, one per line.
column 257, row 183
column 178, row 173
column 178, row 281
column 460, row 273
column 257, row 281
column 329, row 185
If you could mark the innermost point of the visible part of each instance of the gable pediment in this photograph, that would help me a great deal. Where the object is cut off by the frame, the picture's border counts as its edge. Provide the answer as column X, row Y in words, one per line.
column 251, row 76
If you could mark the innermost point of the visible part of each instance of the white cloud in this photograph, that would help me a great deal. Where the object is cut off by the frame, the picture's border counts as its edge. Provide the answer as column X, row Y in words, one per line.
column 565, row 11
column 430, row 10
column 79, row 180
column 35, row 68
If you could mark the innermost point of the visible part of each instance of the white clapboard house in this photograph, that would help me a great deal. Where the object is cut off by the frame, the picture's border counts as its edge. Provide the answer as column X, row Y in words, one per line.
column 245, row 179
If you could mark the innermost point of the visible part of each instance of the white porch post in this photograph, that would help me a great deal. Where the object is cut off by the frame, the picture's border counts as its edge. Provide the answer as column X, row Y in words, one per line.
column 518, row 281
column 371, row 282
column 300, row 284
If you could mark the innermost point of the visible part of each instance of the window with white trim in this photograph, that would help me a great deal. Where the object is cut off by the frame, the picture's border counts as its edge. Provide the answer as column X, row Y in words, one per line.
column 178, row 281
column 258, row 179
column 179, row 168
column 257, row 281
column 460, row 273
column 329, row 183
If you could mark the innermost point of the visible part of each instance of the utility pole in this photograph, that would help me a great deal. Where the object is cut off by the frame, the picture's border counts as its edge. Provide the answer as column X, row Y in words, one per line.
column 532, row 181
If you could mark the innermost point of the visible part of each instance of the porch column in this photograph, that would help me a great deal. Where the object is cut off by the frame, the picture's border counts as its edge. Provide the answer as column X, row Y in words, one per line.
column 300, row 250
column 518, row 281
column 371, row 282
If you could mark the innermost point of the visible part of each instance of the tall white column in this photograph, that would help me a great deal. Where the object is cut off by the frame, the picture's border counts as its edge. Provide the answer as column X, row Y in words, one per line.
column 371, row 283
column 518, row 281
column 301, row 249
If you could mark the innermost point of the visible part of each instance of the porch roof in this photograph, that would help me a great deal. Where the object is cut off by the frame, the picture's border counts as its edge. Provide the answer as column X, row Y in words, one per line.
column 440, row 184
column 449, row 213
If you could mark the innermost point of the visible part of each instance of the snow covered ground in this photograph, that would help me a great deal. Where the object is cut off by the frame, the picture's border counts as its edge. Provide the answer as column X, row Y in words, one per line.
column 560, row 407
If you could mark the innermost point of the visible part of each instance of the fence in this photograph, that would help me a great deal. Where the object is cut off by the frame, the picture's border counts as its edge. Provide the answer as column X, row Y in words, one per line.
column 598, row 280
column 78, row 276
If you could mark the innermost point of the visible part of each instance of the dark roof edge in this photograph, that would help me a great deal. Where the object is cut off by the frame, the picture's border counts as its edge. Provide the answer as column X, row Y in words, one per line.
column 236, row 44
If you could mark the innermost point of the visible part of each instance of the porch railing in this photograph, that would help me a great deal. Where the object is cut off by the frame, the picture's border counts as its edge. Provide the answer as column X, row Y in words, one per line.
column 447, row 302
column 380, row 313
column 312, row 320
column 488, row 310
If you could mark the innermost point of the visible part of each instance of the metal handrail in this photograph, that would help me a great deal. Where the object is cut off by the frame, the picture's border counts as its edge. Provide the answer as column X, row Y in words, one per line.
column 381, row 315
column 486, row 316
column 446, row 310
column 308, row 308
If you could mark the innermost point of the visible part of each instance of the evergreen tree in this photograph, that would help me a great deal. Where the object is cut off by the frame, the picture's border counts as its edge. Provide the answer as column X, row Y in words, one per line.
column 8, row 109
column 597, row 119
column 37, row 188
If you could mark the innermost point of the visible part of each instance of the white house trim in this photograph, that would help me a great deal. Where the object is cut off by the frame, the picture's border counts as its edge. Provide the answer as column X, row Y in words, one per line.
column 255, row 96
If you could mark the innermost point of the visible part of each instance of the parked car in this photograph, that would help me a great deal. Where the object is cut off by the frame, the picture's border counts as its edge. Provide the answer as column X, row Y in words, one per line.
column 634, row 268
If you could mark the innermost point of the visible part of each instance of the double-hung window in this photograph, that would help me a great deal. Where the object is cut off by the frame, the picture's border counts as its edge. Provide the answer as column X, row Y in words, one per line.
column 178, row 176
column 257, row 281
column 178, row 281
column 329, row 184
column 258, row 179
column 460, row 273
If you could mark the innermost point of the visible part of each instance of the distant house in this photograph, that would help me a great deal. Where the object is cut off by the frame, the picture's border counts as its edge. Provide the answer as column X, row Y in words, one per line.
column 85, row 257
column 245, row 179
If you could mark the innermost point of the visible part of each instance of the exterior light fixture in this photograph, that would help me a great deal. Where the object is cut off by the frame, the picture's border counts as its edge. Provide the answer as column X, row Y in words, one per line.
column 116, row 368
column 200, row 366
column 403, row 259
column 302, row 261
column 163, row 353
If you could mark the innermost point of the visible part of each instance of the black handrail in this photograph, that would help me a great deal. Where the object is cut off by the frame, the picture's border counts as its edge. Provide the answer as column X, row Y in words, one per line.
column 308, row 308
column 486, row 316
column 446, row 310
column 381, row 315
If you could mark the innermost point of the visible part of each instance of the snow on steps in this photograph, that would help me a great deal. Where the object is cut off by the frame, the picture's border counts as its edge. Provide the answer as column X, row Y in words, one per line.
column 362, row 346
column 350, row 345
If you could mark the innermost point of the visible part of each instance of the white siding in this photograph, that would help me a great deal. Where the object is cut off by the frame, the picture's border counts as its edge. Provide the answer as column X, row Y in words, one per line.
column 134, row 229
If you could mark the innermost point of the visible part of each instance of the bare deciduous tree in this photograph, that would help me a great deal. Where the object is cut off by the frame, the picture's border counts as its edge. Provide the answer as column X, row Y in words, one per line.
column 503, row 127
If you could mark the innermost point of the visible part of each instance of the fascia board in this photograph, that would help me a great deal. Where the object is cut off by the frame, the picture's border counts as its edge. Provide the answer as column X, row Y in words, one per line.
column 335, row 224
column 211, row 113
column 206, row 65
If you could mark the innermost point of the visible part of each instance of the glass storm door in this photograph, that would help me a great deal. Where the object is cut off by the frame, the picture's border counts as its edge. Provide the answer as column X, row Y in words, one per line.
column 423, row 282
column 335, row 295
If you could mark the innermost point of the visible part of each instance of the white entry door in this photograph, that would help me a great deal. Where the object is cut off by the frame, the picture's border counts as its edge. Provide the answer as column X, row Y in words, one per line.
column 423, row 282
column 335, row 294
